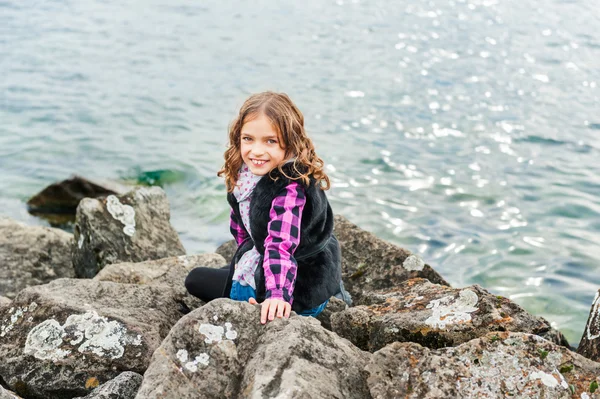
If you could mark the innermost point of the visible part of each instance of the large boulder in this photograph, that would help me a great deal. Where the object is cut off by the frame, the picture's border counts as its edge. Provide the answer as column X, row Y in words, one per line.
column 589, row 346
column 222, row 351
column 498, row 365
column 370, row 263
column 62, row 339
column 125, row 386
column 58, row 202
column 32, row 255
column 434, row 316
column 131, row 228
column 167, row 271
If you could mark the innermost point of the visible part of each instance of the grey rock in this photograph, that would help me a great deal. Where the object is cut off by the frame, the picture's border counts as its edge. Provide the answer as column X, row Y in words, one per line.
column 370, row 263
column 222, row 351
column 434, row 316
column 32, row 255
column 125, row 386
column 6, row 394
column 167, row 271
column 334, row 305
column 498, row 365
column 58, row 202
column 589, row 346
column 133, row 227
column 62, row 339
column 227, row 250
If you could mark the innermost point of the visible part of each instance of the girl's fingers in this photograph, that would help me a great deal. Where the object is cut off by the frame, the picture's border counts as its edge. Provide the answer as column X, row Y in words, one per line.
column 288, row 310
column 252, row 301
column 280, row 309
column 272, row 309
column 264, row 310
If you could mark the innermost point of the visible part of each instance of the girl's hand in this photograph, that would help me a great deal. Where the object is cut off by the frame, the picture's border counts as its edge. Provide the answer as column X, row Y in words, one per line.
column 272, row 307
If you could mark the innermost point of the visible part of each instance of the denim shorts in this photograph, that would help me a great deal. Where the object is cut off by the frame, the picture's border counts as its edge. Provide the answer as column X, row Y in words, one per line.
column 243, row 293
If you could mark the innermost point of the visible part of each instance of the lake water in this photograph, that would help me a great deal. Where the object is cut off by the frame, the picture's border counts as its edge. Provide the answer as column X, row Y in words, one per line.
column 465, row 131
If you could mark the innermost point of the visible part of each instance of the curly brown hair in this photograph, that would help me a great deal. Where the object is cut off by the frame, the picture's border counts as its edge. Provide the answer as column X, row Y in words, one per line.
column 288, row 122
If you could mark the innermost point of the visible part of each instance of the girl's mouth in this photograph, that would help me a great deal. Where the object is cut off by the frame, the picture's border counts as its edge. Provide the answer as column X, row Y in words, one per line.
column 258, row 162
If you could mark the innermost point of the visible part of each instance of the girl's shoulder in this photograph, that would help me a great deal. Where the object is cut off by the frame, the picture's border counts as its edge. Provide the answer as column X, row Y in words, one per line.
column 291, row 173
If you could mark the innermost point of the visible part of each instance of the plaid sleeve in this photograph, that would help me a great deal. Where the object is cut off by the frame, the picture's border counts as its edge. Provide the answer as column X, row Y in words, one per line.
column 282, row 240
column 236, row 228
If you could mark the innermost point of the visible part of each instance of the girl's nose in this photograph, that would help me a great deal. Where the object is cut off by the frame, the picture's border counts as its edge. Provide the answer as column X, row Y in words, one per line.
column 257, row 150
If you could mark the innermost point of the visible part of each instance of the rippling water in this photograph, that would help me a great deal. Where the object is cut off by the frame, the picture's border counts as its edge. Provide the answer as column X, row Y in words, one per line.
column 467, row 132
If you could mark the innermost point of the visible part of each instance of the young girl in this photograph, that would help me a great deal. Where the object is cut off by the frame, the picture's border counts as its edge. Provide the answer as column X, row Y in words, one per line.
column 287, row 256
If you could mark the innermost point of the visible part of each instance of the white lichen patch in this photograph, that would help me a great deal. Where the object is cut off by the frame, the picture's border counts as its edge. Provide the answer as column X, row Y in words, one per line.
column 449, row 310
column 80, row 241
column 16, row 314
column 547, row 379
column 88, row 332
column 182, row 355
column 44, row 341
column 214, row 334
column 230, row 334
column 211, row 333
column 584, row 396
column 413, row 262
column 123, row 213
column 202, row 359
column 593, row 326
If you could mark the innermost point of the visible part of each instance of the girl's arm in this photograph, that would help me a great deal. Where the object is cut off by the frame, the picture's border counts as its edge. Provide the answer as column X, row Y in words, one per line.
column 282, row 240
column 237, row 229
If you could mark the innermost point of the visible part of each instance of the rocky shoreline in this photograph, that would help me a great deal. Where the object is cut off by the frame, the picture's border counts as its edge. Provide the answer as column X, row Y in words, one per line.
column 103, row 313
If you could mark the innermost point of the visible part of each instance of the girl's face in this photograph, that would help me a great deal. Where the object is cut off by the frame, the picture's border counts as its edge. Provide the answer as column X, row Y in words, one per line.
column 260, row 145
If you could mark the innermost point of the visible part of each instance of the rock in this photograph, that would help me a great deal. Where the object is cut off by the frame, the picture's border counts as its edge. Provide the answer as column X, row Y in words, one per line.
column 32, row 255
column 64, row 338
column 134, row 227
column 64, row 196
column 4, row 301
column 589, row 346
column 227, row 250
column 434, row 316
column 499, row 365
column 170, row 271
column 167, row 271
column 125, row 386
column 334, row 305
column 222, row 351
column 370, row 263
column 6, row 394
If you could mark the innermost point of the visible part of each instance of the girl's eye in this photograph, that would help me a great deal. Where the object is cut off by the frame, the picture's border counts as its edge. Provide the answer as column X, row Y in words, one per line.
column 271, row 141
column 246, row 139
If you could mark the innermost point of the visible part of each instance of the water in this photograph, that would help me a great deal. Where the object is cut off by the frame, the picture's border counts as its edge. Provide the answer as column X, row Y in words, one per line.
column 467, row 132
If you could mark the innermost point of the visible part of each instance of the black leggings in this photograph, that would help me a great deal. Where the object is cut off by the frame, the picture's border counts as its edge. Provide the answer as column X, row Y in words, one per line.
column 208, row 284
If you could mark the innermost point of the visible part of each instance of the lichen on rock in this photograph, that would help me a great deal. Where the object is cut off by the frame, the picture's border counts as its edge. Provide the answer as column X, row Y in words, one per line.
column 449, row 310
column 123, row 213
column 88, row 333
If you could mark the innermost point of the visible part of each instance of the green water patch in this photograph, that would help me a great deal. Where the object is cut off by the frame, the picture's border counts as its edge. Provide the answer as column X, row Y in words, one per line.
column 157, row 177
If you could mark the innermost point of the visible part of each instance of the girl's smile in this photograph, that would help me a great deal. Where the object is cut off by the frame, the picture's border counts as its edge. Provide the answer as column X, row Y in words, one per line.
column 261, row 148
